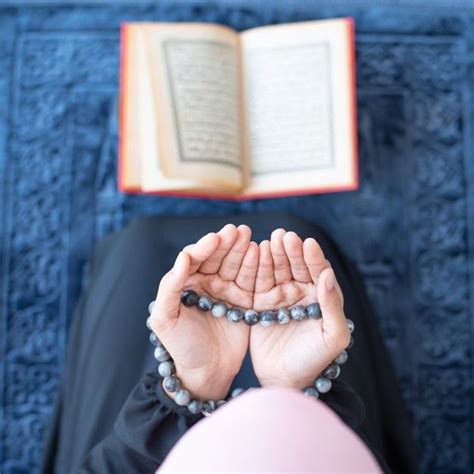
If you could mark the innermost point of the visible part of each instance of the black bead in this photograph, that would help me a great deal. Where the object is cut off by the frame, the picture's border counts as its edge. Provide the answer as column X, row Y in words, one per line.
column 172, row 383
column 235, row 314
column 189, row 298
column 154, row 339
column 351, row 343
column 251, row 317
column 283, row 315
column 314, row 311
column 267, row 317
column 298, row 312
column 341, row 358
column 195, row 406
column 205, row 303
column 209, row 406
column 332, row 372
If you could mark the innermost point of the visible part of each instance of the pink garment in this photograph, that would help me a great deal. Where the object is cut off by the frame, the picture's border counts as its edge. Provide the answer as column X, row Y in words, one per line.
column 271, row 430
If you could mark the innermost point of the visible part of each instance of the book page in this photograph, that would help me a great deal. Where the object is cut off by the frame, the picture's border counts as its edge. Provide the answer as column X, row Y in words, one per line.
column 146, row 145
column 298, row 106
column 195, row 76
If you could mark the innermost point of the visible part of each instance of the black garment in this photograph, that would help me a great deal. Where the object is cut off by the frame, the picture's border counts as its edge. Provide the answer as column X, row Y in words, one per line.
column 97, row 427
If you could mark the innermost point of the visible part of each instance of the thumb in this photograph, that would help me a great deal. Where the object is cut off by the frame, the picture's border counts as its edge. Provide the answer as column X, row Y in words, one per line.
column 332, row 309
column 166, row 308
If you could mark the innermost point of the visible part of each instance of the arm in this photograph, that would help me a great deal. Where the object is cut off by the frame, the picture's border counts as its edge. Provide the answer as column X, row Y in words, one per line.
column 293, row 355
column 207, row 353
column 147, row 427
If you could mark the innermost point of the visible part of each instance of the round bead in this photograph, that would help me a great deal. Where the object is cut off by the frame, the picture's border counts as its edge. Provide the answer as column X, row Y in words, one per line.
column 236, row 392
column 161, row 354
column 313, row 311
column 283, row 316
column 219, row 403
column 204, row 303
column 209, row 407
column 332, row 372
column 311, row 392
column 172, row 383
column 195, row 406
column 182, row 397
column 165, row 369
column 189, row 298
column 250, row 317
column 150, row 307
column 298, row 312
column 267, row 318
column 341, row 358
column 323, row 384
column 148, row 324
column 351, row 343
column 219, row 309
column 235, row 315
column 154, row 339
column 350, row 325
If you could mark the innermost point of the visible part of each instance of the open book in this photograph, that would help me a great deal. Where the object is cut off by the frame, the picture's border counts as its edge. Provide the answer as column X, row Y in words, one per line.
column 206, row 111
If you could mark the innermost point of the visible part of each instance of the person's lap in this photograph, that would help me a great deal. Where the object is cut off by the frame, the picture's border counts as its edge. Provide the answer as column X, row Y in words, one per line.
column 109, row 349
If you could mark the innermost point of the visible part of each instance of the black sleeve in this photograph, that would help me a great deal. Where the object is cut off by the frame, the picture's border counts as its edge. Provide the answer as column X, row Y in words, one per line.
column 348, row 405
column 150, row 423
column 147, row 427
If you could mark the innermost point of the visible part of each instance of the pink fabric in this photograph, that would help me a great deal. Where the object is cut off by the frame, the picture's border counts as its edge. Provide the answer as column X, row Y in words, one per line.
column 271, row 430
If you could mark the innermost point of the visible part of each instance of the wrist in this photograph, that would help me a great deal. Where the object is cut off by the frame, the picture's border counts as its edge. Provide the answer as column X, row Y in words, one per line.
column 286, row 383
column 296, row 381
column 298, row 376
column 279, row 378
column 203, row 385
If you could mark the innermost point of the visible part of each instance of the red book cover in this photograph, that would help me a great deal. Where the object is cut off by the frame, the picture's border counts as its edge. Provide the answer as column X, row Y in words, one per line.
column 124, row 77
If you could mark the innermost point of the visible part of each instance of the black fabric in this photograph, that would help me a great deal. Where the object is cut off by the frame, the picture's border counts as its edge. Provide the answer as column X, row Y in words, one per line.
column 112, row 417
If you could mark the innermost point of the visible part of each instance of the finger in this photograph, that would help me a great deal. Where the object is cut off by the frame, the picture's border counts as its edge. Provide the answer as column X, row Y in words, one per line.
column 248, row 270
column 265, row 275
column 202, row 250
column 231, row 263
column 166, row 308
column 294, row 250
column 281, row 264
column 227, row 236
column 332, row 309
column 314, row 259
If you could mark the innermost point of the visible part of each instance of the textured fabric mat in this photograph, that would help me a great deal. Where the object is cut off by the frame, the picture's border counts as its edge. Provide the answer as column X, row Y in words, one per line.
column 408, row 227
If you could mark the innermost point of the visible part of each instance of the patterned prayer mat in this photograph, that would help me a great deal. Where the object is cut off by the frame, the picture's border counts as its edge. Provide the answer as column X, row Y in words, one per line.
column 409, row 227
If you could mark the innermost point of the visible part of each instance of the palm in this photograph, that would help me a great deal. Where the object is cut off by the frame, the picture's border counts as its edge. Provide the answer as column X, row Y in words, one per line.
column 288, row 274
column 298, row 348
column 211, row 339
column 222, row 266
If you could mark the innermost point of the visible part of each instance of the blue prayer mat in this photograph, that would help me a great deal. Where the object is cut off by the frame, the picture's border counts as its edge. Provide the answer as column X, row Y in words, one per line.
column 408, row 227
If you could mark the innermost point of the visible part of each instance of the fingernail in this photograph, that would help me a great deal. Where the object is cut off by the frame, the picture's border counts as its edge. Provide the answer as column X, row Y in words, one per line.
column 330, row 280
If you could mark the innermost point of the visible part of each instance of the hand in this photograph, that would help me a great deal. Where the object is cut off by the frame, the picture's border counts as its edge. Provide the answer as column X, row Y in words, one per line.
column 207, row 351
column 291, row 272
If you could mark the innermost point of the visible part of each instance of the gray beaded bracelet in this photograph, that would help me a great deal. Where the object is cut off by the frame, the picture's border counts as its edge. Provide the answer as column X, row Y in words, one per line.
column 167, row 369
column 250, row 316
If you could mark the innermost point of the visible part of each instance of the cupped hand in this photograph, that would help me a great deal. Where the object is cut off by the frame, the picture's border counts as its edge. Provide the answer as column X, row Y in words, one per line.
column 207, row 351
column 292, row 272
